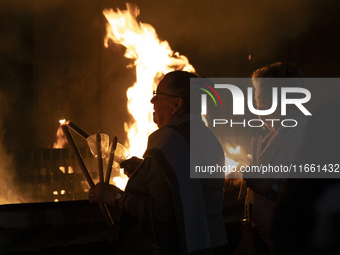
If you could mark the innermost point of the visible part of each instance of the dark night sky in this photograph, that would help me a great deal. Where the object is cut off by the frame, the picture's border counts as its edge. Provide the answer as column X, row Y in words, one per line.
column 54, row 65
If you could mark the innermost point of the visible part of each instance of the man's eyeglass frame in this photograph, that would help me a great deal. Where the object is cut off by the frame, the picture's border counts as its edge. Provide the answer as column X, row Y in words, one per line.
column 155, row 94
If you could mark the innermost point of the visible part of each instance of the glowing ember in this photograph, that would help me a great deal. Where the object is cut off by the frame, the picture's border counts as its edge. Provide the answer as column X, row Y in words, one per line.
column 153, row 59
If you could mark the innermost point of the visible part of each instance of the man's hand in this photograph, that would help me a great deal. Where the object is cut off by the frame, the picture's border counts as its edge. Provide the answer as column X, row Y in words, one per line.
column 130, row 165
column 104, row 193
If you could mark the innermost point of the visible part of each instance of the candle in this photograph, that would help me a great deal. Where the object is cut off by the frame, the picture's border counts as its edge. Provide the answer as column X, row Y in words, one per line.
column 100, row 158
column 77, row 129
column 83, row 168
column 77, row 155
column 112, row 155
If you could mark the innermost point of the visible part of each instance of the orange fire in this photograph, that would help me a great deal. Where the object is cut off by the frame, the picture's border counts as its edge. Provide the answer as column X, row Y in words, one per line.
column 236, row 157
column 60, row 142
column 153, row 59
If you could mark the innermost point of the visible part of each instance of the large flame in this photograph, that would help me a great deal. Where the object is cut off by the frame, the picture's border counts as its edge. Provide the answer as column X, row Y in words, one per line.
column 152, row 58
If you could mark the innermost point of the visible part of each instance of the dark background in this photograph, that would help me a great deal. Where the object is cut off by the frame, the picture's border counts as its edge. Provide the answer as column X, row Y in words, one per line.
column 53, row 64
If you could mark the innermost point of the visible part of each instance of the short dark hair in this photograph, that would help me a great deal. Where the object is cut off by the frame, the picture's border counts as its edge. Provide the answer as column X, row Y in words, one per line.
column 178, row 83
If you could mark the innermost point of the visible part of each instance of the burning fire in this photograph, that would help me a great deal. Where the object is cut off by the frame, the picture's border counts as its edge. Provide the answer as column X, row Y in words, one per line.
column 236, row 157
column 153, row 59
column 60, row 142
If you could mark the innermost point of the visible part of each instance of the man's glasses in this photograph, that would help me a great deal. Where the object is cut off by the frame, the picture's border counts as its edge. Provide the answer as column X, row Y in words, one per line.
column 155, row 94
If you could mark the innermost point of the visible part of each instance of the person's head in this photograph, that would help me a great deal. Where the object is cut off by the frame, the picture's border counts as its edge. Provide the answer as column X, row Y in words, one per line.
column 263, row 89
column 263, row 86
column 172, row 97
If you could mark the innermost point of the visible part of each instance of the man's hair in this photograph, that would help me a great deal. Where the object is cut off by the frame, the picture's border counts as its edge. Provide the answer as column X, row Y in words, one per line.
column 178, row 83
column 263, row 87
column 278, row 70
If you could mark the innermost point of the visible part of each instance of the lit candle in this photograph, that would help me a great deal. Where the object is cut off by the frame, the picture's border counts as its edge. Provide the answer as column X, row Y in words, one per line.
column 100, row 159
column 112, row 155
column 77, row 129
column 83, row 168
column 77, row 154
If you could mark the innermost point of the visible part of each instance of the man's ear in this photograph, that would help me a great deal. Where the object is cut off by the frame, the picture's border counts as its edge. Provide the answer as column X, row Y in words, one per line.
column 177, row 105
